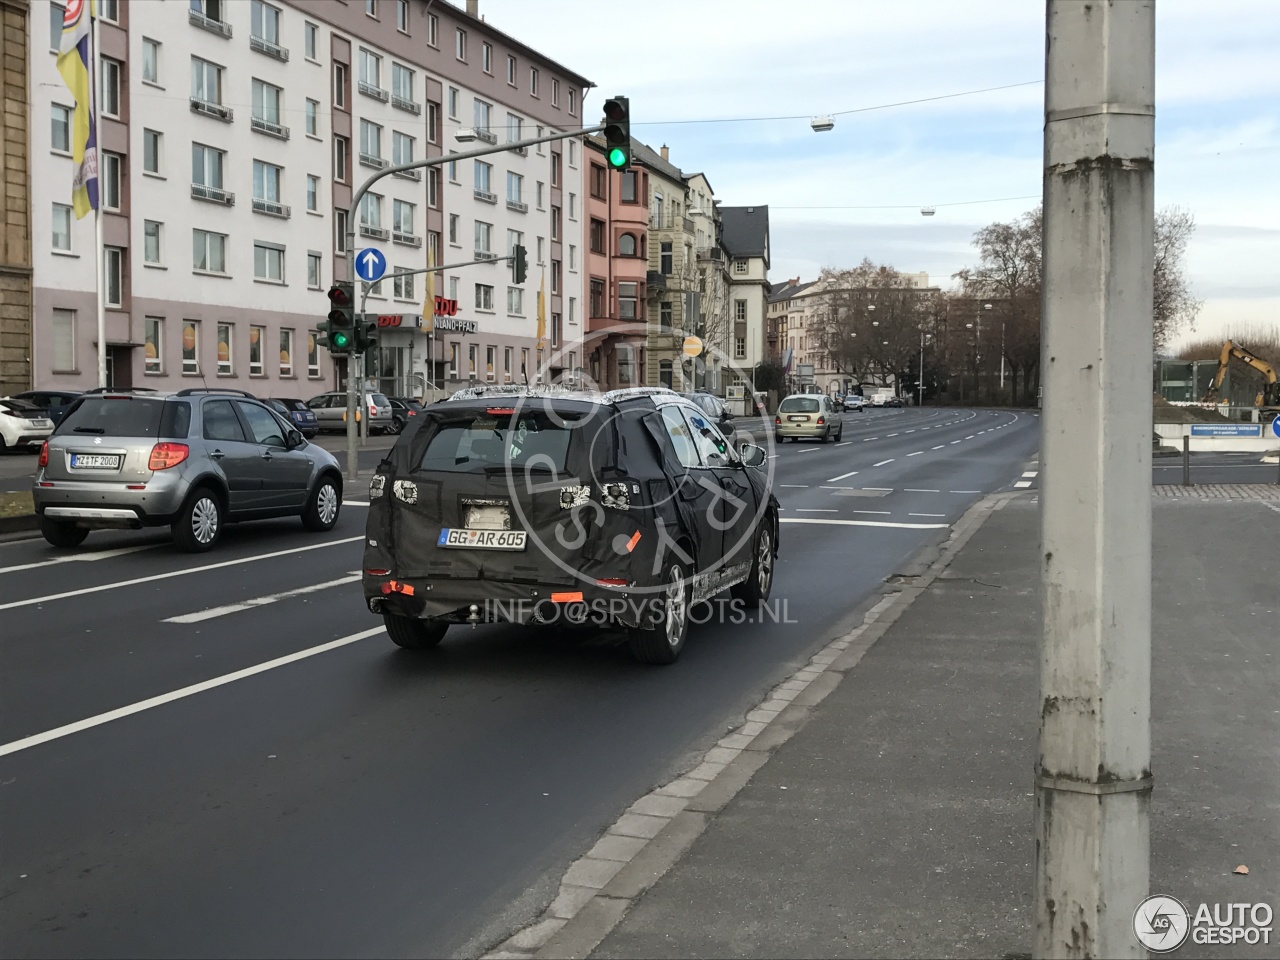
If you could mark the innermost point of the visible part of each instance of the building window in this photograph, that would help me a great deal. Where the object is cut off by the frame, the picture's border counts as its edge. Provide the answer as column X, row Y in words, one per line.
column 484, row 297
column 340, row 85
column 538, row 194
column 313, row 118
column 151, row 151
column 515, row 301
column 206, row 166
column 112, row 169
column 486, row 57
column 150, row 61
column 453, row 169
column 627, row 245
column 471, row 351
column 340, row 150
column 490, row 358
column 64, row 341
column 266, row 181
column 402, row 82
column 573, row 153
column 433, row 30
column 209, row 252
column 402, row 216
column 599, row 182
column 61, row 131
column 109, row 10
column 508, row 354
column 286, row 353
column 627, row 301
column 596, row 236
column 62, row 227
column 453, row 288
column 113, row 275
column 460, row 44
column 484, row 175
column 533, row 81
column 739, row 347
column 573, row 257
column 266, row 102
column 664, row 315
column 453, row 228
column 371, row 141
column 402, row 15
column 515, row 188
column 371, row 8
column 256, row 337
column 227, row 348
column 151, row 241
column 541, row 258
column 56, row 15
column 313, row 270
column 484, row 237
column 511, row 70
column 629, row 184
column 402, row 285
column 515, row 128
column 665, row 371
column 110, row 87
column 206, row 81
column 739, row 310
column 739, row 266
column 433, row 188
column 371, row 211
column 555, row 224
column 191, row 346
column 370, row 69
column 555, row 169
column 483, row 115
column 597, row 298
column 573, row 102
column 153, row 346
column 310, row 40
column 340, row 231
column 401, row 148
column 453, row 103
column 555, row 92
column 573, row 206
column 666, row 259
column 264, row 22
column 313, row 355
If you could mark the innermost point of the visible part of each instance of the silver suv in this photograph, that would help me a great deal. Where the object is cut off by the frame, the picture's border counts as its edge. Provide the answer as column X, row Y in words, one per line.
column 331, row 411
column 194, row 460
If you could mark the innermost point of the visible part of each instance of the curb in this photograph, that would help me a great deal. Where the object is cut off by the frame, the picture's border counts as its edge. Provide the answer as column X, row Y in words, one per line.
column 22, row 524
column 599, row 888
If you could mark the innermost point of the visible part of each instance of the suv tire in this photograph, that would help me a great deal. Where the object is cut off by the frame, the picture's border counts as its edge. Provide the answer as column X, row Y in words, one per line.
column 199, row 523
column 754, row 590
column 323, row 506
column 661, row 643
column 410, row 633
column 62, row 533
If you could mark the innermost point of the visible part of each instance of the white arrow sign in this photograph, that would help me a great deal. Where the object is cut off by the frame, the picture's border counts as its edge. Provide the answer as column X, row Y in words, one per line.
column 371, row 264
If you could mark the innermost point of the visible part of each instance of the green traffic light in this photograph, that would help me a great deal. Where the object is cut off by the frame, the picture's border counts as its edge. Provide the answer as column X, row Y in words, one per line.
column 617, row 157
column 340, row 340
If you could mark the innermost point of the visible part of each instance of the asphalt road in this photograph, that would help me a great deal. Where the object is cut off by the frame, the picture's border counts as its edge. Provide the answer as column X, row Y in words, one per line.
column 359, row 800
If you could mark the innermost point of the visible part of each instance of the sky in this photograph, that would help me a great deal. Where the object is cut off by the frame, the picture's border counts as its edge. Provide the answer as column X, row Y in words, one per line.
column 686, row 62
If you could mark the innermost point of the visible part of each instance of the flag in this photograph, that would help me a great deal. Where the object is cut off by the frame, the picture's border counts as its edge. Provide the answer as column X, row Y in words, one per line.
column 76, row 64
column 542, row 311
column 429, row 299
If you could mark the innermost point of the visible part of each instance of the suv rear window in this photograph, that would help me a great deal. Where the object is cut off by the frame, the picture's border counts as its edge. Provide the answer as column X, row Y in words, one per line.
column 292, row 404
column 471, row 443
column 799, row 405
column 128, row 417
column 378, row 400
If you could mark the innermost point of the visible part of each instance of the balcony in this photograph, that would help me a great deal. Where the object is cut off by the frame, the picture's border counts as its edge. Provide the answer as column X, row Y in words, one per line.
column 408, row 174
column 271, row 208
column 485, row 134
column 372, row 160
column 408, row 239
column 198, row 19
column 377, row 233
column 486, row 196
column 655, row 280
column 517, row 206
column 711, row 253
column 485, row 255
column 669, row 221
column 215, row 110
column 270, row 49
column 401, row 103
column 213, row 194
column 277, row 130
column 369, row 90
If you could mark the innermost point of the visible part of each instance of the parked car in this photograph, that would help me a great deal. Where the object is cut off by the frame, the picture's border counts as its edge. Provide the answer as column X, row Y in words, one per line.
column 331, row 411
column 854, row 401
column 620, row 509
column 713, row 407
column 302, row 417
column 894, row 402
column 55, row 402
column 807, row 416
column 402, row 409
column 22, row 424
column 194, row 460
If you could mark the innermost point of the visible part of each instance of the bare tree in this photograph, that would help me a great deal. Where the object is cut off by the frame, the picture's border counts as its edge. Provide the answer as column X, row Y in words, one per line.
column 1173, row 306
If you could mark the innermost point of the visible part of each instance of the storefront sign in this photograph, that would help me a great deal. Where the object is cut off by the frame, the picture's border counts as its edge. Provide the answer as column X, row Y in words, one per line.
column 446, row 308
column 457, row 324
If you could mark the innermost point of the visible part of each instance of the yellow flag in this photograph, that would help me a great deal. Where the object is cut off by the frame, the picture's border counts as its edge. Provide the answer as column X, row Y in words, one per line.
column 429, row 298
column 542, row 311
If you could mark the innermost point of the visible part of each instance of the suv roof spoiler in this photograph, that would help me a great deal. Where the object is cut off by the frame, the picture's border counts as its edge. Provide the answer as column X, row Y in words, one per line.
column 191, row 391
column 101, row 390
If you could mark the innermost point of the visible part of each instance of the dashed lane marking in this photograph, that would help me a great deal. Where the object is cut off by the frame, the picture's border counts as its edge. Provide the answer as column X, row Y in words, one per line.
column 938, row 447
column 926, row 514
column 82, row 557
column 881, row 513
column 1023, row 483
column 918, row 490
column 795, row 486
column 883, row 462
column 866, row 523
column 213, row 612
column 815, row 510
column 843, row 476
column 916, row 454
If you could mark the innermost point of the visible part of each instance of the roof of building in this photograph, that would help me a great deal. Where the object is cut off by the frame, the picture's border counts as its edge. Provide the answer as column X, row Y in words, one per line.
column 459, row 10
column 699, row 173
column 745, row 231
column 788, row 289
column 652, row 159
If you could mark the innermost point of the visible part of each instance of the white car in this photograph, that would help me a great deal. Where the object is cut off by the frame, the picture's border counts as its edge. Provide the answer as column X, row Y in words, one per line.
column 23, row 424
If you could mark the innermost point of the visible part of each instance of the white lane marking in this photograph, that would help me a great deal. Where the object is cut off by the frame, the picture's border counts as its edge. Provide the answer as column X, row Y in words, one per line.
column 844, row 443
column 815, row 510
column 917, row 490
column 90, row 722
column 1030, row 473
column 938, row 447
column 809, row 450
column 772, row 456
column 885, row 489
column 964, row 491
column 798, row 486
column 837, row 488
column 969, row 437
column 866, row 523
column 1023, row 483
column 880, row 513
column 212, row 612
column 926, row 514
column 910, row 431
column 356, row 503
column 955, row 441
column 174, row 573
column 81, row 557
column 880, row 464
column 916, row 454
column 893, row 434
column 843, row 476
column 869, row 439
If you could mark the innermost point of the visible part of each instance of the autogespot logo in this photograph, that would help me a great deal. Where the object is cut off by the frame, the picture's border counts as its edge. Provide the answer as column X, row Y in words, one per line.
column 1161, row 924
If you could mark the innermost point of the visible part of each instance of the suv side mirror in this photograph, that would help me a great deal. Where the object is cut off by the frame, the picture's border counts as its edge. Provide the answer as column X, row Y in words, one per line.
column 293, row 439
column 725, row 423
column 751, row 454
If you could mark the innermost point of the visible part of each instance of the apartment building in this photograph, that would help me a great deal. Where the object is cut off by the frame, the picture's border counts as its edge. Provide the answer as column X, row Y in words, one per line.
column 234, row 135
column 745, row 238
column 673, row 268
column 15, row 206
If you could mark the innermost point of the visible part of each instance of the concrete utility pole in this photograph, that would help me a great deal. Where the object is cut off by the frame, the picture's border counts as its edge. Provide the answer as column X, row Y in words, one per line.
column 1093, row 783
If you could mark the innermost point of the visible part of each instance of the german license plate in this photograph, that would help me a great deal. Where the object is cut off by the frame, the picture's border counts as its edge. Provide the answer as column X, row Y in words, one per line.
column 97, row 461
column 799, row 419
column 482, row 539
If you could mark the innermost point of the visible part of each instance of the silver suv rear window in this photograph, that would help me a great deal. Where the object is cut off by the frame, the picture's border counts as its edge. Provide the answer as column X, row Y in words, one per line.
column 126, row 416
column 798, row 405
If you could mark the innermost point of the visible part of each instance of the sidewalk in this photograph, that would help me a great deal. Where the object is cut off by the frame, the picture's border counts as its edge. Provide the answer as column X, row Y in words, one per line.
column 897, row 820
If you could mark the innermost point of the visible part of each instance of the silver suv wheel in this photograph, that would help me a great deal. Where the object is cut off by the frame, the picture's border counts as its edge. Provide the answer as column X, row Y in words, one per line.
column 204, row 519
column 327, row 503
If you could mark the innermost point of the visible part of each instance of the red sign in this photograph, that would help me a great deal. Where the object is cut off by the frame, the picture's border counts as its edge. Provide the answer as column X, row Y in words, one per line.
column 446, row 308
column 391, row 320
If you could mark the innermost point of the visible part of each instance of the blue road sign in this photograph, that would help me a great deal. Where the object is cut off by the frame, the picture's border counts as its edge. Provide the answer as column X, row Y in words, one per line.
column 1226, row 430
column 371, row 264
column 1275, row 426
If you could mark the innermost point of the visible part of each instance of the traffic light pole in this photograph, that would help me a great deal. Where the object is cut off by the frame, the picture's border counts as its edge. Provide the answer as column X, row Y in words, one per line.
column 353, row 462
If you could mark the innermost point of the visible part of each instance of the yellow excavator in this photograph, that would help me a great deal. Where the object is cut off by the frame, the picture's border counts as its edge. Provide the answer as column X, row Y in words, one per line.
column 1268, row 397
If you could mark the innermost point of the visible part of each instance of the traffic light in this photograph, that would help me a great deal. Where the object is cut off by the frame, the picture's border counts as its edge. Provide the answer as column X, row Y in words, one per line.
column 519, row 264
column 338, row 332
column 366, row 337
column 617, row 133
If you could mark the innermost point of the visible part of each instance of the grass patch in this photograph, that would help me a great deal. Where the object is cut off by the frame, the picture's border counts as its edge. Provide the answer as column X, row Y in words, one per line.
column 16, row 504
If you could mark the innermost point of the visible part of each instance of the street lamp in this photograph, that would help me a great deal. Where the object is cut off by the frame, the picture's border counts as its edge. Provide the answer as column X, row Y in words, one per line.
column 920, row 385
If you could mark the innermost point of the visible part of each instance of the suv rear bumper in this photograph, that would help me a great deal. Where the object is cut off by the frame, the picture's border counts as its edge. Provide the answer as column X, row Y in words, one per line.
column 96, row 503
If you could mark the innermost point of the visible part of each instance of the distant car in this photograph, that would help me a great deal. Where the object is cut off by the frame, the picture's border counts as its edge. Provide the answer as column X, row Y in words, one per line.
column 854, row 401
column 23, row 424
column 298, row 413
column 894, row 402
column 54, row 401
column 807, row 416
column 402, row 410
column 194, row 460
column 331, row 411
column 715, row 408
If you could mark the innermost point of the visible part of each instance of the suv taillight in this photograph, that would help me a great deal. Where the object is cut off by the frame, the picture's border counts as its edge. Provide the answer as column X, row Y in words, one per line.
column 44, row 455
column 166, row 455
column 777, row 420
column 821, row 421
